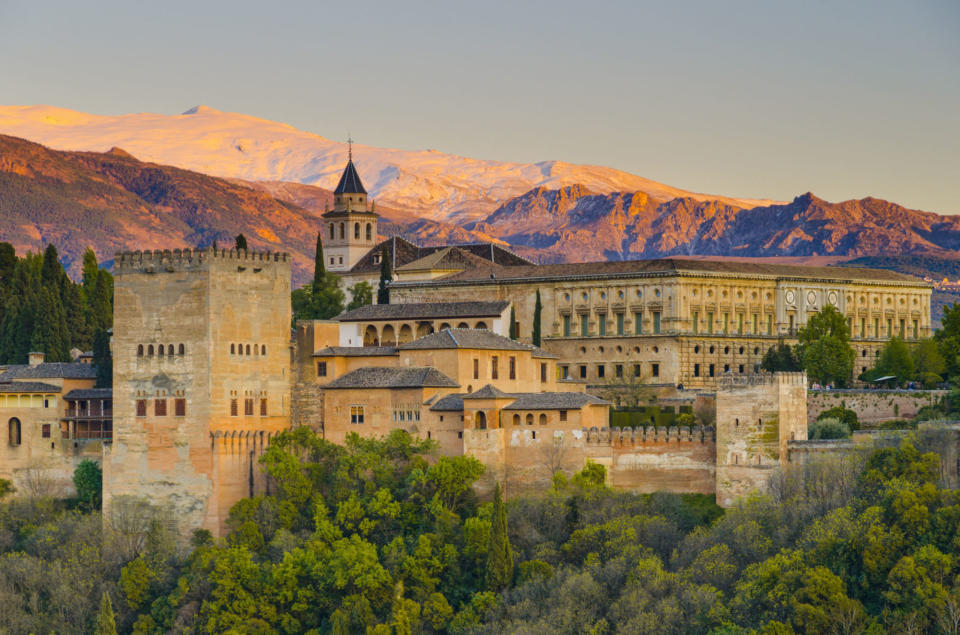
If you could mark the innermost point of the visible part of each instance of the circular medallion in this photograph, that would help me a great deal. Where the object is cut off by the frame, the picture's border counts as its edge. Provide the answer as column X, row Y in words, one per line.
column 811, row 298
column 790, row 297
column 832, row 298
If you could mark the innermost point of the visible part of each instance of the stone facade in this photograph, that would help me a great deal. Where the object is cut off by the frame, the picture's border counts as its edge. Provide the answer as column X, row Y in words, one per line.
column 873, row 406
column 201, row 351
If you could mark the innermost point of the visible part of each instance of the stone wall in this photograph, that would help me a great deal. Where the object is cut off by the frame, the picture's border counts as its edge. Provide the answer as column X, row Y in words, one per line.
column 872, row 406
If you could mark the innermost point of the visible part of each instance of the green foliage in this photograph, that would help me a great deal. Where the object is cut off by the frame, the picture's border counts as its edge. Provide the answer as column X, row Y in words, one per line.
column 537, row 317
column 513, row 323
column 780, row 358
column 499, row 554
column 6, row 488
column 844, row 415
column 828, row 428
column 88, row 481
column 361, row 294
column 106, row 624
column 307, row 305
column 824, row 348
column 103, row 359
column 240, row 242
column 386, row 277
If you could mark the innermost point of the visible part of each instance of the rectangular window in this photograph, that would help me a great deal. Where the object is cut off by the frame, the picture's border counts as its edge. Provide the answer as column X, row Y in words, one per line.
column 321, row 369
column 619, row 323
column 770, row 324
column 356, row 414
column 889, row 328
column 180, row 407
column 740, row 369
column 654, row 370
column 696, row 370
column 863, row 327
column 141, row 407
column 696, row 322
column 636, row 370
column 618, row 370
column 564, row 372
column 494, row 370
column 45, row 431
column 584, row 325
column 712, row 370
column 709, row 321
column 233, row 408
column 903, row 330
column 543, row 372
column 601, row 371
column 248, row 407
column 916, row 329
column 583, row 371
column 638, row 323
column 263, row 407
column 656, row 322
column 563, row 415
column 876, row 327
column 476, row 369
column 160, row 408
column 791, row 323
column 726, row 323
column 513, row 367
column 739, row 323
column 566, row 326
column 755, row 325
column 602, row 324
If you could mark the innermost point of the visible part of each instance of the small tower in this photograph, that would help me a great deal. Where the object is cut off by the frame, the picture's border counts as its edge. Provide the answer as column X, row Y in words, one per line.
column 350, row 228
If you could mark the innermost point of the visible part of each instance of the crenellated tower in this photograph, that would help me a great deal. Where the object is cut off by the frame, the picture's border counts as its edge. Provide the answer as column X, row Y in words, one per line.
column 351, row 227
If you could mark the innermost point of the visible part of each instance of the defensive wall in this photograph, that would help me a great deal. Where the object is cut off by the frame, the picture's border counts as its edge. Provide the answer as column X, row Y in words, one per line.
column 872, row 406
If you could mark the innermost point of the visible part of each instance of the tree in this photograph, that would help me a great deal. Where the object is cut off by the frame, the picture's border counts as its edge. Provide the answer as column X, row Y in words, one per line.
column 386, row 276
column 895, row 359
column 8, row 260
column 929, row 364
column 52, row 272
column 361, row 294
column 499, row 555
column 780, row 358
column 537, row 312
column 240, row 242
column 824, row 348
column 103, row 359
column 106, row 624
column 88, row 481
column 828, row 428
column 6, row 487
column 513, row 324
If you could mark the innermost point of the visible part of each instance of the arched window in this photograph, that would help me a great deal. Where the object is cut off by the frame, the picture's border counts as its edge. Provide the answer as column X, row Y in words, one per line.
column 233, row 349
column 481, row 325
column 481, row 420
column 248, row 349
column 543, row 419
column 529, row 419
column 516, row 420
column 182, row 349
column 369, row 231
column 150, row 349
column 239, row 349
column 331, row 231
column 139, row 350
column 342, row 234
column 356, row 231
column 13, row 429
column 463, row 325
column 160, row 350
column 263, row 349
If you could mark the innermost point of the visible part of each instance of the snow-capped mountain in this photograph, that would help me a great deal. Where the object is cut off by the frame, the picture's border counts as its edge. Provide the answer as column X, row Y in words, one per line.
column 424, row 183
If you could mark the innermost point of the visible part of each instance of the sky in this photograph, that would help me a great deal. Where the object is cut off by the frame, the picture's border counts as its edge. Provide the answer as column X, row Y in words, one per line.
column 762, row 99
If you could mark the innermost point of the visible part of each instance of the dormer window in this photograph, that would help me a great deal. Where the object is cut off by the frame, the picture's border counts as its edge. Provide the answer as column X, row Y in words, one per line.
column 376, row 259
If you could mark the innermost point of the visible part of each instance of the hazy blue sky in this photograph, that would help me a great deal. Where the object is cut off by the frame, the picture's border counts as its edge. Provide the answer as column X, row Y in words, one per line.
column 762, row 99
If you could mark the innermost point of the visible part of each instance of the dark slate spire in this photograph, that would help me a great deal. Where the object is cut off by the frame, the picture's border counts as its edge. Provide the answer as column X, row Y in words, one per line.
column 350, row 180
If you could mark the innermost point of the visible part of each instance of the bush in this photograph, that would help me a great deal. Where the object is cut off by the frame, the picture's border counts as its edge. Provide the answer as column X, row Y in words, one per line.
column 844, row 415
column 88, row 480
column 823, row 429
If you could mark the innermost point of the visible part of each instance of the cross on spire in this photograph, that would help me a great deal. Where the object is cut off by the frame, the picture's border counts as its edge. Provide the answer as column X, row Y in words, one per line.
column 349, row 147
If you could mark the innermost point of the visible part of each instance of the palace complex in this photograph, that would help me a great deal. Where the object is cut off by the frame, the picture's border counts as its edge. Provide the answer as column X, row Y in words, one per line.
column 207, row 370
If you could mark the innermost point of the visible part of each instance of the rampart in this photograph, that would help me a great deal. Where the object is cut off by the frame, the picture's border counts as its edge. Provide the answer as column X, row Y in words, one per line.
column 872, row 406
column 171, row 260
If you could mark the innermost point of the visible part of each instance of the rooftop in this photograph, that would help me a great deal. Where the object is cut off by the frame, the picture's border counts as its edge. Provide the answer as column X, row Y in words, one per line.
column 350, row 181
column 554, row 401
column 28, row 386
column 356, row 351
column 90, row 393
column 403, row 252
column 49, row 370
column 423, row 311
column 472, row 338
column 382, row 377
column 487, row 392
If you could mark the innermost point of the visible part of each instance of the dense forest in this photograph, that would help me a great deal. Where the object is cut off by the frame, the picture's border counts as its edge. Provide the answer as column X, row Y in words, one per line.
column 373, row 538
column 43, row 310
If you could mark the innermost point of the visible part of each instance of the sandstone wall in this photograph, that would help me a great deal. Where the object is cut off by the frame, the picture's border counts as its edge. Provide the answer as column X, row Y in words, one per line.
column 872, row 406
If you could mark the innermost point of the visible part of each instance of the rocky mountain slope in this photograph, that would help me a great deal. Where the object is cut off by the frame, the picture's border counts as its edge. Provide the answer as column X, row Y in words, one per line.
column 426, row 183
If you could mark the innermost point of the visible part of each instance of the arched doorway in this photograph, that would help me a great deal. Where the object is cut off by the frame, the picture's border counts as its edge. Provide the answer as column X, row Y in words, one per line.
column 389, row 336
column 13, row 429
column 480, row 420
column 406, row 334
column 370, row 336
column 424, row 329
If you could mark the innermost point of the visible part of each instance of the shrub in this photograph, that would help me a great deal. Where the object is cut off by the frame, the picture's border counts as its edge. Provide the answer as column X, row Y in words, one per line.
column 88, row 480
column 822, row 429
column 844, row 415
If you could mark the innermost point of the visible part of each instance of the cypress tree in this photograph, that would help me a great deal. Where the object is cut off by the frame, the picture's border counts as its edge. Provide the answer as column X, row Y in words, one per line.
column 106, row 623
column 537, row 310
column 513, row 324
column 386, row 275
column 50, row 334
column 8, row 260
column 499, row 555
column 319, row 270
column 103, row 359
column 90, row 271
column 77, row 314
column 51, row 272
column 101, row 305
column 241, row 242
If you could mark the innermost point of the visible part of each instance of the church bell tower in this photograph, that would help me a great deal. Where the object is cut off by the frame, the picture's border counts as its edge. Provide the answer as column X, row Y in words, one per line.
column 350, row 227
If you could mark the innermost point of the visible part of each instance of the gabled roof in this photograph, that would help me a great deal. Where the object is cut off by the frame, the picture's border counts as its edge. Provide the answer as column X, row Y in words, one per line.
column 356, row 351
column 446, row 259
column 383, row 377
column 90, row 393
column 488, row 392
column 50, row 370
column 471, row 338
column 403, row 252
column 424, row 311
column 28, row 386
column 350, row 181
column 448, row 403
column 554, row 401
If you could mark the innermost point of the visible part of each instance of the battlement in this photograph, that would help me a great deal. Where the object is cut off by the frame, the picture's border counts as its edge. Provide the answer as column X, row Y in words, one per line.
column 171, row 260
column 649, row 435
column 733, row 382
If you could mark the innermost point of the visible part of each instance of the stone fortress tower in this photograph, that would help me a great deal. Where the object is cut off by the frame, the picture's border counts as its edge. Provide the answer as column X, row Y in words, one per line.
column 201, row 381
column 350, row 227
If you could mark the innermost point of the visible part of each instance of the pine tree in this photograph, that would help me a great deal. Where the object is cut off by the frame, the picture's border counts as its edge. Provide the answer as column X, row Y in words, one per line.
column 537, row 311
column 513, row 324
column 319, row 270
column 106, row 623
column 386, row 276
column 499, row 555
column 241, row 242
column 103, row 359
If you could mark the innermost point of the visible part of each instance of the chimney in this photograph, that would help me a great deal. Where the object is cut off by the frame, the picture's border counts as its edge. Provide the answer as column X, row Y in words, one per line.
column 34, row 359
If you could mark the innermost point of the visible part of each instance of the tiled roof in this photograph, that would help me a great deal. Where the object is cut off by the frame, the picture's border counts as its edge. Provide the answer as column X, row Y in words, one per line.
column 423, row 311
column 471, row 338
column 554, row 401
column 496, row 273
column 28, row 386
column 90, row 393
column 50, row 370
column 448, row 258
column 487, row 392
column 449, row 402
column 356, row 351
column 403, row 252
column 350, row 181
column 381, row 377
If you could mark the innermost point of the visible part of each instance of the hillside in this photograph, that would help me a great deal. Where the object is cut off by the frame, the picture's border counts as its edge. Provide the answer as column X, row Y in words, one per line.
column 425, row 183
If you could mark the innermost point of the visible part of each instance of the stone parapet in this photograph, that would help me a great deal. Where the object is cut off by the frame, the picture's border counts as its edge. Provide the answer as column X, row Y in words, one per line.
column 171, row 260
